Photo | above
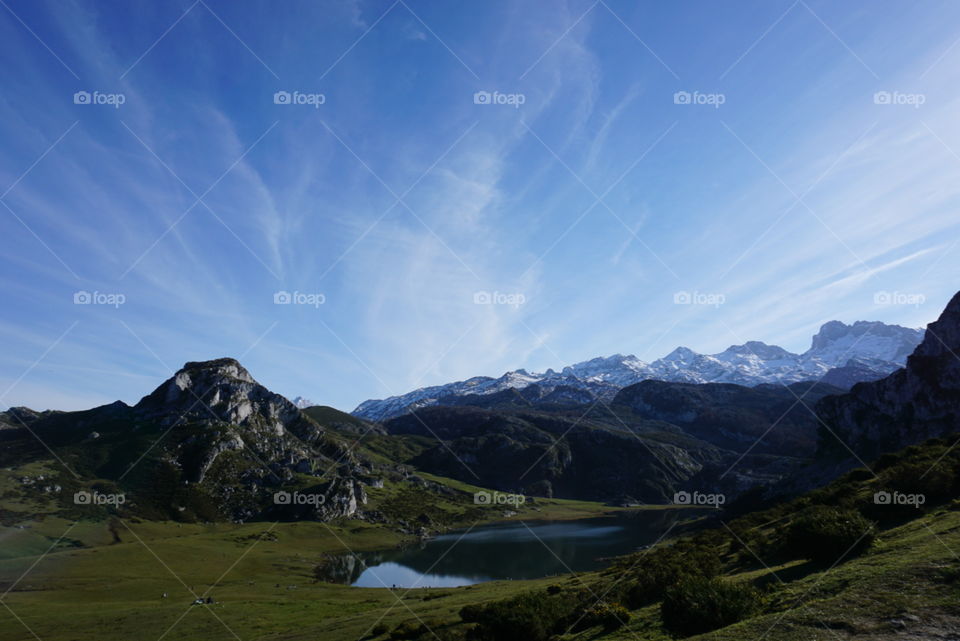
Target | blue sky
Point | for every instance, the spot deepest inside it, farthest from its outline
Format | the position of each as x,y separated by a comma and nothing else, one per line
798,199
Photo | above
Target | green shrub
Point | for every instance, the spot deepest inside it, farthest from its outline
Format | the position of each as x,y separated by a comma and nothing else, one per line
471,613
406,630
609,615
935,483
696,605
885,461
663,567
825,534
379,630
533,616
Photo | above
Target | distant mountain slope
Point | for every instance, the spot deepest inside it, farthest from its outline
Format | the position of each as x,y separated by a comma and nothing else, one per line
764,419
913,404
543,454
849,354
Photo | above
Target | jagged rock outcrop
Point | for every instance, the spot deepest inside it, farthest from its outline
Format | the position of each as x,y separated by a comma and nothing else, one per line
222,390
17,417
915,403
239,414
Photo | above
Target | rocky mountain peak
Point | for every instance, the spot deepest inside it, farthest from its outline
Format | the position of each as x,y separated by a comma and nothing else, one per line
915,403
219,390
302,403
225,367
759,349
681,354
829,332
943,335
836,341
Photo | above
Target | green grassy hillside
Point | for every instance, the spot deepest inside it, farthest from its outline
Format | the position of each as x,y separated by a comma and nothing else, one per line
105,579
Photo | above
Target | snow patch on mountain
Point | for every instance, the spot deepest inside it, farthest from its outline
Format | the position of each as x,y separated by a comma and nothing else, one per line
301,402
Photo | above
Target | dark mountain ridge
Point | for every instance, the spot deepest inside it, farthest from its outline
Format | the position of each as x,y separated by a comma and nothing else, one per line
917,402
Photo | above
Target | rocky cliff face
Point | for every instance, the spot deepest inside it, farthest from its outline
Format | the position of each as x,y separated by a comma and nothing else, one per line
915,403
239,414
216,407
223,391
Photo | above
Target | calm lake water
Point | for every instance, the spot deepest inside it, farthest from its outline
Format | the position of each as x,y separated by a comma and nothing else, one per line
510,550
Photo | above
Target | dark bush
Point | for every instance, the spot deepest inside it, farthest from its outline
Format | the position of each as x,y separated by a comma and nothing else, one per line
696,605
885,461
609,615
471,613
824,534
663,567
417,629
934,482
407,630
858,474
533,616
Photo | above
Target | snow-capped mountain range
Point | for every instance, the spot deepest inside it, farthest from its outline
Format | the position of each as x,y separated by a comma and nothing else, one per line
865,350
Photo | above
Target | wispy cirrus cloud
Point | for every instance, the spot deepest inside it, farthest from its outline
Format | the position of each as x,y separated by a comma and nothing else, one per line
495,198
